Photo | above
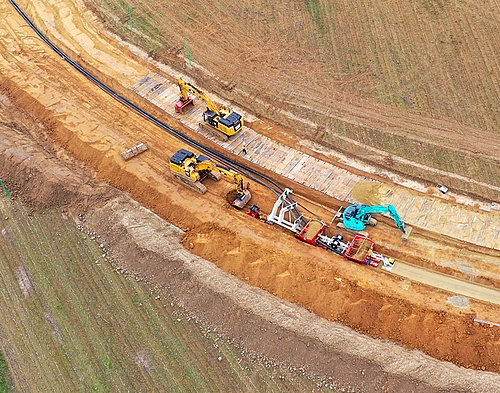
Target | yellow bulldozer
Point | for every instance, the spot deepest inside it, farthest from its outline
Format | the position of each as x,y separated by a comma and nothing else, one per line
192,169
218,120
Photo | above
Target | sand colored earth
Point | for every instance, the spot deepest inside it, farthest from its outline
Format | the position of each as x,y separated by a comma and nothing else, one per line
428,212
68,111
416,83
148,246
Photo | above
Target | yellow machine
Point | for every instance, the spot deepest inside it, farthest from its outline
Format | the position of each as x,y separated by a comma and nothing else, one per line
217,119
192,169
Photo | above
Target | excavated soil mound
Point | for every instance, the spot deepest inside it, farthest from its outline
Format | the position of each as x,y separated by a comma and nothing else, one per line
150,247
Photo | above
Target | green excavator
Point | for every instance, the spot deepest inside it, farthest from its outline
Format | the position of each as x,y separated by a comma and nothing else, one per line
356,217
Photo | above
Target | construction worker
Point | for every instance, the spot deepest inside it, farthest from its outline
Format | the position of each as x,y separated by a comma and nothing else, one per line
244,150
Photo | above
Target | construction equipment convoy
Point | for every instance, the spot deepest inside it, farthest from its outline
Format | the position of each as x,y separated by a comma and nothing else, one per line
286,214
220,121
192,169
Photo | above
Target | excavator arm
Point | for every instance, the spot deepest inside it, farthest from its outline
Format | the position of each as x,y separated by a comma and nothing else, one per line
357,216
234,176
397,219
186,88
243,195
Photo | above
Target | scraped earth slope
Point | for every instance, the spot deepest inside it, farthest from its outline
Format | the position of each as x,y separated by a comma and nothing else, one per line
150,247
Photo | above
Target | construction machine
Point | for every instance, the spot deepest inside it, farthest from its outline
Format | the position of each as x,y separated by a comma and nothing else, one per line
220,121
315,233
192,169
357,216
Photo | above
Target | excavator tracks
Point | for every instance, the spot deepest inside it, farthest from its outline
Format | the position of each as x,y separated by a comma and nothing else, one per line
196,185
214,132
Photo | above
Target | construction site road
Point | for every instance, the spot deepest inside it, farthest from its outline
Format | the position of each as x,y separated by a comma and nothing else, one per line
124,65
460,287
446,283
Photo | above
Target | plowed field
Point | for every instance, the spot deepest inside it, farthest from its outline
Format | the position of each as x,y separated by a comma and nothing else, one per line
418,81
72,323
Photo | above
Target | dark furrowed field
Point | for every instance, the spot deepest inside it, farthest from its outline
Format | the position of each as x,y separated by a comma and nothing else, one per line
72,323
383,74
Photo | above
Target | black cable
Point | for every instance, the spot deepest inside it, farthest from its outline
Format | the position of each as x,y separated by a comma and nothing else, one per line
248,171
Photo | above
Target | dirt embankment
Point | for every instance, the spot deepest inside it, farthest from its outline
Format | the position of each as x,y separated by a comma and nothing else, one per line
71,110
105,143
142,242
279,264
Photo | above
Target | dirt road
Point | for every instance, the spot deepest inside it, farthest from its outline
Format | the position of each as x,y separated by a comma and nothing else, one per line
102,53
447,283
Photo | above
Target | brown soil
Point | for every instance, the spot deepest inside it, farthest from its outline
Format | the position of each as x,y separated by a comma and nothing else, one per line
68,115
273,260
425,248
144,244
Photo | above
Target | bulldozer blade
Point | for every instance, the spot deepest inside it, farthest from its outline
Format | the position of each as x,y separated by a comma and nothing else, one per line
241,200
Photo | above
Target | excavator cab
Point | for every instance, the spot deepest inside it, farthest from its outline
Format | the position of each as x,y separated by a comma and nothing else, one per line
353,220
210,117
178,159
228,125
357,216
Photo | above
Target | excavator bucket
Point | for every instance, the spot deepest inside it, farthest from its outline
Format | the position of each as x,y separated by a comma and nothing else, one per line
407,232
239,201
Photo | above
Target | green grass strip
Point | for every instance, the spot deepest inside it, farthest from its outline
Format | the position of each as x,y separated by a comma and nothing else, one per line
5,189
5,383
